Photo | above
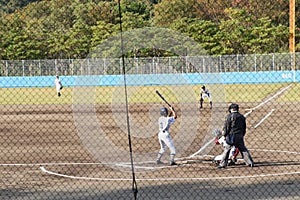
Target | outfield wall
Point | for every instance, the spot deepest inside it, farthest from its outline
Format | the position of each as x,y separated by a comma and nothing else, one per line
155,79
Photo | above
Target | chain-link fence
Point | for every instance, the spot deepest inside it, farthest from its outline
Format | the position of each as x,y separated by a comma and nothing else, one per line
81,111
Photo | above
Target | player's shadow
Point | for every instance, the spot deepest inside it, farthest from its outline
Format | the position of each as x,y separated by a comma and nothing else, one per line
274,163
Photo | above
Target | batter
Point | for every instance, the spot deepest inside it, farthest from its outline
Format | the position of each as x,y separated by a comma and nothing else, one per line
164,137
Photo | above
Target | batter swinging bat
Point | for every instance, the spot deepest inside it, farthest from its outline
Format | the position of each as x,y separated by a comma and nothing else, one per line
157,92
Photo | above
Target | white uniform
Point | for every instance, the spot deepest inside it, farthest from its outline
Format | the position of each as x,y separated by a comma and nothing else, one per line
222,141
164,136
58,85
205,94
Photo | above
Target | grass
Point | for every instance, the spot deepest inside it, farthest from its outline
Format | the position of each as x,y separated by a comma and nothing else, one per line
146,94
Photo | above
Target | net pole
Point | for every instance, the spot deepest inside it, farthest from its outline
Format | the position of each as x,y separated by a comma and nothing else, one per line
134,185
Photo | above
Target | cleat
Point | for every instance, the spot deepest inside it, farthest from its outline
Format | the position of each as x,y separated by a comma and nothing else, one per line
251,165
173,163
220,167
159,162
232,162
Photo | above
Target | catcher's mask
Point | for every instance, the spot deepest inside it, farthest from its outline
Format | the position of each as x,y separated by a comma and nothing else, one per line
234,107
164,111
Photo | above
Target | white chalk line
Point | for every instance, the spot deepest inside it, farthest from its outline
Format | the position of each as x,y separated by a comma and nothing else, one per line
143,167
267,100
176,179
263,119
167,179
250,111
276,151
272,97
128,163
42,168
202,148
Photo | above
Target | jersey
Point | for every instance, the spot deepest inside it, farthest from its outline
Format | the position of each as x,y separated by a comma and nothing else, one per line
58,84
164,123
164,136
205,93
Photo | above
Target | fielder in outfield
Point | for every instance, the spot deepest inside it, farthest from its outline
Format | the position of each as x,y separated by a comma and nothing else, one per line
205,93
58,85
164,137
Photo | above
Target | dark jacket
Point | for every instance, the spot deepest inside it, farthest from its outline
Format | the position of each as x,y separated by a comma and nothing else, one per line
235,123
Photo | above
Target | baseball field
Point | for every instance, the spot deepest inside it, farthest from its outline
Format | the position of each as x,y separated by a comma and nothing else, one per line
77,146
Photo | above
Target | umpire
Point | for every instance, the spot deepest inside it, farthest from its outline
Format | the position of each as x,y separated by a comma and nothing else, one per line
234,131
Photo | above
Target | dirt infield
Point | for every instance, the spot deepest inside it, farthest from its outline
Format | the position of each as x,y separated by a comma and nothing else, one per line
44,155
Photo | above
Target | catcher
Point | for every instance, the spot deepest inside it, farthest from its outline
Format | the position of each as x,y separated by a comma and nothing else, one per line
220,139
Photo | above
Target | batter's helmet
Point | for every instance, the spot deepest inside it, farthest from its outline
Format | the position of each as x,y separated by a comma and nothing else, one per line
164,111
234,107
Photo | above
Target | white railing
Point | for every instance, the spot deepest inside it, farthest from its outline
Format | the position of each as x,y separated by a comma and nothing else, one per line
153,65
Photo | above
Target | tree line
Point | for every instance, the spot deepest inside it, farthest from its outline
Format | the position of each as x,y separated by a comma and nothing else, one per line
48,29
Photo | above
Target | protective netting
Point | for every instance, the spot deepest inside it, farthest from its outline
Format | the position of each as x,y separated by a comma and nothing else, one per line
80,107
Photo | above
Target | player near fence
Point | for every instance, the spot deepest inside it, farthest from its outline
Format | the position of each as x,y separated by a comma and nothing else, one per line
164,137
58,85
234,131
205,93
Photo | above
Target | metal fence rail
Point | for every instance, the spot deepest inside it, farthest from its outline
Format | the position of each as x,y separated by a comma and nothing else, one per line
153,65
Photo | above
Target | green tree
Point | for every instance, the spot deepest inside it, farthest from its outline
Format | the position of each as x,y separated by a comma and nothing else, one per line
13,38
102,31
9,6
133,20
101,11
78,40
142,7
202,31
168,11
240,34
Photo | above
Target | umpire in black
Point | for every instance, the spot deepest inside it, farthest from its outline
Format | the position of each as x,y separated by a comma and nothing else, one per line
234,131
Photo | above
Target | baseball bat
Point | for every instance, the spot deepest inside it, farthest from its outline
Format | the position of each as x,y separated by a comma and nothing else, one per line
161,96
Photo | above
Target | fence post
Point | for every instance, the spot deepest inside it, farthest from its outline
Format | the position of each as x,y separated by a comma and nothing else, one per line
273,61
237,63
255,62
55,65
88,66
23,68
6,68
203,63
220,63
104,66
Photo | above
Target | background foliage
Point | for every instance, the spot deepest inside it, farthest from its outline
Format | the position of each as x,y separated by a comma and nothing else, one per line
33,29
